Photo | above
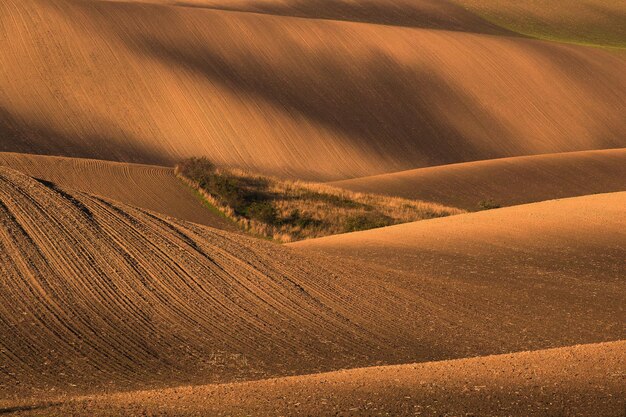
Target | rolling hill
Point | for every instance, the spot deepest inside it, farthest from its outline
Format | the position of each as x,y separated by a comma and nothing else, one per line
122,293
312,98
538,383
506,181
550,240
427,14
100,297
591,22
533,254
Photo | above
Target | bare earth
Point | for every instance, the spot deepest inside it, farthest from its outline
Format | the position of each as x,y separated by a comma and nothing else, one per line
123,294
585,380
147,186
557,237
535,178
101,297
311,98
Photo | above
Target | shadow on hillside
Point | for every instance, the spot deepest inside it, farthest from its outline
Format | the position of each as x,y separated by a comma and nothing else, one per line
612,17
400,113
425,14
408,115
33,137
19,409
578,69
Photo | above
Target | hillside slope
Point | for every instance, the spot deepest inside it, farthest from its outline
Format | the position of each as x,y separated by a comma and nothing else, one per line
147,186
579,380
507,181
101,297
313,98
522,259
593,22
567,240
431,14
97,296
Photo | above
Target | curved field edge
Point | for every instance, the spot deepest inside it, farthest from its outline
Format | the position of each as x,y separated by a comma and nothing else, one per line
96,295
575,380
592,22
507,181
544,237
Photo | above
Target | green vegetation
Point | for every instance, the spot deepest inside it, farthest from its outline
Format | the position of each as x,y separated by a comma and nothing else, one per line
286,210
594,23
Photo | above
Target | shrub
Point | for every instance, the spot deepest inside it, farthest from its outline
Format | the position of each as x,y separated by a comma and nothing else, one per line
227,190
488,205
366,221
332,199
195,168
302,221
262,211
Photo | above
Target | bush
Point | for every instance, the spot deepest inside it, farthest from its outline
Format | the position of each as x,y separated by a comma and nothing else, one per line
196,168
227,190
488,205
302,221
332,199
366,221
262,211
292,210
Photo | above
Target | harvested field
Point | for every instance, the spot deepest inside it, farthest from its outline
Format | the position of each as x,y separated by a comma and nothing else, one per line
590,22
545,240
123,293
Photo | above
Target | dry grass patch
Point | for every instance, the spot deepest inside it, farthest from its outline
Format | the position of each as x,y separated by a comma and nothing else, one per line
286,210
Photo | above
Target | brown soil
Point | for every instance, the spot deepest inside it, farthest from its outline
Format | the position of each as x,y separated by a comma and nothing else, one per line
311,98
544,241
507,181
147,186
101,297
582,380
120,295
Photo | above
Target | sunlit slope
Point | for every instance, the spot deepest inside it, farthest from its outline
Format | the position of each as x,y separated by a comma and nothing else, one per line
97,296
580,238
146,186
506,181
315,98
522,259
578,380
